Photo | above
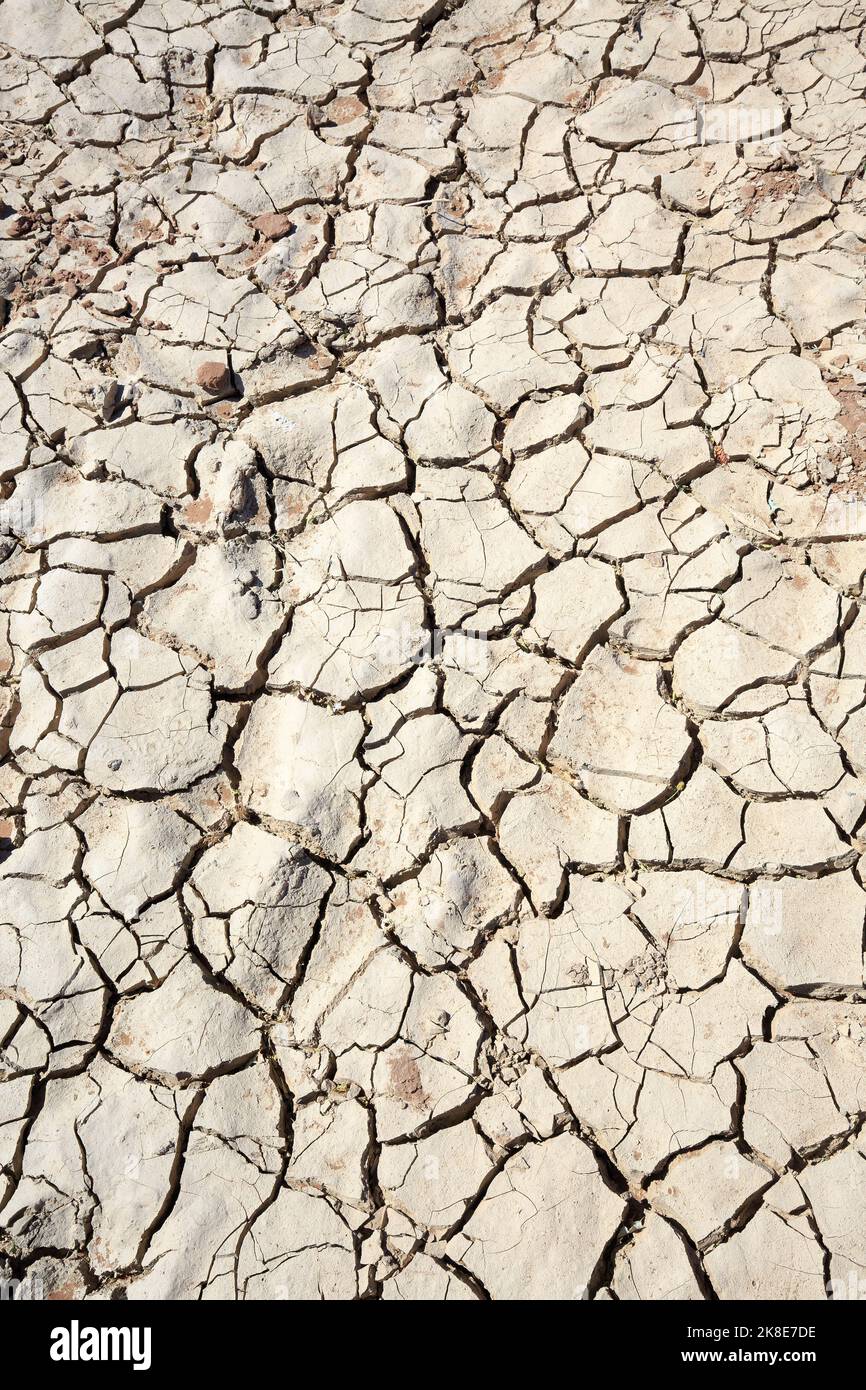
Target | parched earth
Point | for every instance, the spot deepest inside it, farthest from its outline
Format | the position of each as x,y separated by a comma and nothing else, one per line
433,537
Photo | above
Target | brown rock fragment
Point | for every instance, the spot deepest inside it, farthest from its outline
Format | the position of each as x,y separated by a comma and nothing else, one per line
213,377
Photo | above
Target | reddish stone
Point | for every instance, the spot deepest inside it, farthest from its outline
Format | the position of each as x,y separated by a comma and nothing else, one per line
213,377
273,225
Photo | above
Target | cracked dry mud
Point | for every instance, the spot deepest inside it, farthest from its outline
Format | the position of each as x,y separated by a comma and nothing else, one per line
433,541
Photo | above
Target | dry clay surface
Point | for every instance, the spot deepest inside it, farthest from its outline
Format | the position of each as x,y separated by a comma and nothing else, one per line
433,464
